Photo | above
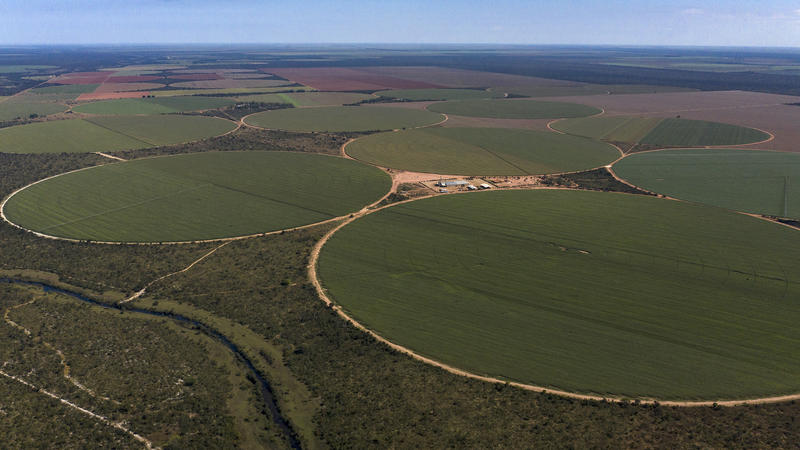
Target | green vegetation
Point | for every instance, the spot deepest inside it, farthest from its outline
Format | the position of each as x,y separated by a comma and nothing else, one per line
343,118
438,94
513,109
309,98
481,151
162,105
652,131
753,181
23,68
542,287
196,196
686,133
587,89
109,133
65,89
21,109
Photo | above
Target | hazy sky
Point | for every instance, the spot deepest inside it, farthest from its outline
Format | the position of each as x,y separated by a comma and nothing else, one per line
641,22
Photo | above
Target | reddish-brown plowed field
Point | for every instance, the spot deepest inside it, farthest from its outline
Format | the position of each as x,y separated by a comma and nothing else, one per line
196,76
457,78
110,95
348,79
228,83
125,87
767,112
82,78
133,79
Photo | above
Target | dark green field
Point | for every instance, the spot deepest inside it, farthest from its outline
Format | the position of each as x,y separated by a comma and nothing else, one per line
438,94
109,133
343,118
513,109
753,181
481,151
660,132
584,291
196,196
682,132
159,105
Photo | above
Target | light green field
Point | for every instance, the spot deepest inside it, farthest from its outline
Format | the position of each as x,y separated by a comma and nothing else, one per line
300,99
616,128
481,151
589,292
587,89
109,133
163,105
438,94
659,131
20,107
197,196
513,109
752,181
682,132
65,89
343,118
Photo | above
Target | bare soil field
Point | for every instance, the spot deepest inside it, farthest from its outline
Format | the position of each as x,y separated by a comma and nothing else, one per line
196,76
110,95
458,78
228,83
133,78
348,79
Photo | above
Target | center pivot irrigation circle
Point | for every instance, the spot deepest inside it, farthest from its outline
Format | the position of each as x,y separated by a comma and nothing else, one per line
198,196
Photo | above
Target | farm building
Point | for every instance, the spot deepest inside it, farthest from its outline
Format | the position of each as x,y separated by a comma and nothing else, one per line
448,183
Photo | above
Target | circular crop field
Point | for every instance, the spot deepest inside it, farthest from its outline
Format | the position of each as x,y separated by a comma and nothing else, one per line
753,181
343,118
656,131
158,105
513,109
481,151
591,292
196,196
109,133
438,94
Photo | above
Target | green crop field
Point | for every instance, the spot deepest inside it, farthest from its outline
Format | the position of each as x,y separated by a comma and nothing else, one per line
20,107
689,302
343,118
587,89
109,133
481,151
744,180
659,131
160,105
65,89
308,98
615,128
682,132
196,196
438,94
513,109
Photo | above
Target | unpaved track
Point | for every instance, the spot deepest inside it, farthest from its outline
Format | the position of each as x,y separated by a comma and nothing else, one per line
118,425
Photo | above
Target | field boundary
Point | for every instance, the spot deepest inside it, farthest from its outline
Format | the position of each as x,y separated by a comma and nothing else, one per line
321,292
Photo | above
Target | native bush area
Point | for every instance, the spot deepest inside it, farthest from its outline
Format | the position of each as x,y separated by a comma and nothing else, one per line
372,396
594,180
163,381
247,138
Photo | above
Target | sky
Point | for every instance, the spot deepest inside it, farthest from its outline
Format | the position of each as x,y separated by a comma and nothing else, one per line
766,23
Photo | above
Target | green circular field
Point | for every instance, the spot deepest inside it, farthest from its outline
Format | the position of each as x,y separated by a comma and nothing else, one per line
158,105
109,133
481,151
343,118
612,294
753,181
656,131
513,109
196,196
438,94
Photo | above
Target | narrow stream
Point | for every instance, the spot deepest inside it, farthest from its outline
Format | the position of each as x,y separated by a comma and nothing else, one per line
266,390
